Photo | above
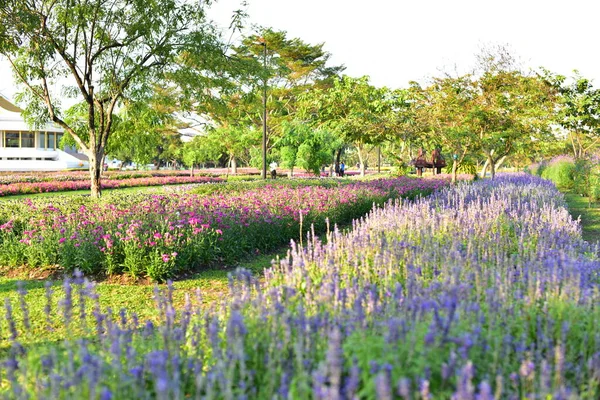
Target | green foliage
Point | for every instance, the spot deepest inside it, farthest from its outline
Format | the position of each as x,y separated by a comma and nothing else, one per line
401,169
579,106
467,166
95,54
587,178
562,173
200,150
234,185
143,132
302,146
537,169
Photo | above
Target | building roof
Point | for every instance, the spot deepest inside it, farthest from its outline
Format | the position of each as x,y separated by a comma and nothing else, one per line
8,106
11,119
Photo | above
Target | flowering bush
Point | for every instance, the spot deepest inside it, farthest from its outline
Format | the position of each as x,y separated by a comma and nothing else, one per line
481,291
160,235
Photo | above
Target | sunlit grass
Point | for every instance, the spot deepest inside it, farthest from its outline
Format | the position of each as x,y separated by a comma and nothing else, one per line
580,207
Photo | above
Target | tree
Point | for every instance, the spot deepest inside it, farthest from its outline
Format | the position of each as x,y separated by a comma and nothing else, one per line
511,112
441,111
358,112
199,150
234,141
305,147
579,111
98,53
291,67
141,129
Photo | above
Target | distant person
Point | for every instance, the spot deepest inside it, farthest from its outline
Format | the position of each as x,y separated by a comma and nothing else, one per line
273,169
342,169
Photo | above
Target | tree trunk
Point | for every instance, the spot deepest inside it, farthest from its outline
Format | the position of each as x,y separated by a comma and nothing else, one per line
338,157
454,171
233,162
360,160
95,161
192,170
492,164
332,165
499,163
485,167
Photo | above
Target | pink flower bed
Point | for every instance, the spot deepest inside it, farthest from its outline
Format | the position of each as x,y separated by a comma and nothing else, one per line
61,186
159,235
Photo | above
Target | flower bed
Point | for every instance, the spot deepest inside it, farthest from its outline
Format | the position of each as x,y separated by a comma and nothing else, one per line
31,177
160,235
478,292
84,184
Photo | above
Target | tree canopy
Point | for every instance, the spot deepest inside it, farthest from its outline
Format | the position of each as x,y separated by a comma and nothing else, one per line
96,53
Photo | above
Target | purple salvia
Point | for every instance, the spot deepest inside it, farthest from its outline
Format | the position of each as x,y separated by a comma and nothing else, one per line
23,305
12,326
48,305
404,389
382,386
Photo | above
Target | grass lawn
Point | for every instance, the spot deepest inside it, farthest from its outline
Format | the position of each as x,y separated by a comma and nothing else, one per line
136,298
590,216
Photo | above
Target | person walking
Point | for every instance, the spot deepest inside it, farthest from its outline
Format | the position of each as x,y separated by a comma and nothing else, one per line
273,168
342,169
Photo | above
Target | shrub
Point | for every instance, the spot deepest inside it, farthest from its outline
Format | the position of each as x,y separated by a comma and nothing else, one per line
561,171
587,178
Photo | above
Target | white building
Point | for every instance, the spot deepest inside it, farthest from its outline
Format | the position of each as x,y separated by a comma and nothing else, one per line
26,149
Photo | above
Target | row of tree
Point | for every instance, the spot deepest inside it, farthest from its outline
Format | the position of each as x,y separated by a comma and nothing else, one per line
118,76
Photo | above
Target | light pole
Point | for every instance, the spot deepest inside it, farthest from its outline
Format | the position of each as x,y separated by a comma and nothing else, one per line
264,101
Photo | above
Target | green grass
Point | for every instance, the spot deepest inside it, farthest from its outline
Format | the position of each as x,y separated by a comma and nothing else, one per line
589,214
134,296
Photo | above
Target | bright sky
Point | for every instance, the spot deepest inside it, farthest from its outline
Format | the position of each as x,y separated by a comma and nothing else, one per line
396,41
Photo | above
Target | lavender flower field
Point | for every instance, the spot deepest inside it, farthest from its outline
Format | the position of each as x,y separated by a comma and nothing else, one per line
163,234
479,291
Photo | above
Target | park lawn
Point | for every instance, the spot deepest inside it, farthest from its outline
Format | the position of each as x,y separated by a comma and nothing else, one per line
136,297
589,213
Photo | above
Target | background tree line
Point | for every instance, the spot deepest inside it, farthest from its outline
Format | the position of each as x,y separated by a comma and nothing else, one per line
123,77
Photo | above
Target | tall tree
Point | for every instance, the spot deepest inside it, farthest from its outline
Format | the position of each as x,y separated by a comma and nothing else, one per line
96,52
442,112
288,67
199,150
578,112
513,108
141,129
358,112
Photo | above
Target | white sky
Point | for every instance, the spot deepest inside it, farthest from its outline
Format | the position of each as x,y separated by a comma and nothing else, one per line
396,41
